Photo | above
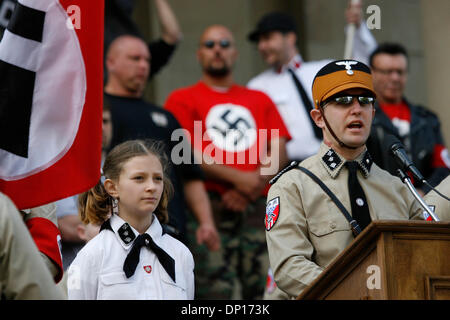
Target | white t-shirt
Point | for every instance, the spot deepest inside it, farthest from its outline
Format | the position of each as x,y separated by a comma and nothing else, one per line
97,271
280,87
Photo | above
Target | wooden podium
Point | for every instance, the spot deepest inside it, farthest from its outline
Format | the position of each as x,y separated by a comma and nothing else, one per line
389,260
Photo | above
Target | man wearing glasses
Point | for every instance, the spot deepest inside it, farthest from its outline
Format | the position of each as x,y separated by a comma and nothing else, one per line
305,228
417,127
233,130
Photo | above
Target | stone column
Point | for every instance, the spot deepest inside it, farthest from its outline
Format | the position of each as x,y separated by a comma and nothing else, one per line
435,16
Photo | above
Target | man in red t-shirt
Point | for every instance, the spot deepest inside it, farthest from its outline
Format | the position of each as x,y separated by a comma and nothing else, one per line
417,127
239,139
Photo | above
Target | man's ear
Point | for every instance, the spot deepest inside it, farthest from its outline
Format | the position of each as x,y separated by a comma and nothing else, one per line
316,115
111,188
109,63
291,38
235,54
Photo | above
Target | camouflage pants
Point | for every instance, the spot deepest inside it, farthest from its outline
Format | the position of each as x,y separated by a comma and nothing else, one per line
239,269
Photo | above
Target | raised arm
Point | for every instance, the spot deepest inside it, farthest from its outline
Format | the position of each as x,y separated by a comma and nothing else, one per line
170,29
363,42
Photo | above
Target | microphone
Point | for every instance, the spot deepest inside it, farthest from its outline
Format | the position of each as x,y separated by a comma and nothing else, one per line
397,150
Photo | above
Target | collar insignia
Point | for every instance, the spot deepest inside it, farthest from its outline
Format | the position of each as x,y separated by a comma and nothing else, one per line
126,233
365,164
331,159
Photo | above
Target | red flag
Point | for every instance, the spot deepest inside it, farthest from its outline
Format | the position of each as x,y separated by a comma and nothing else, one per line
51,92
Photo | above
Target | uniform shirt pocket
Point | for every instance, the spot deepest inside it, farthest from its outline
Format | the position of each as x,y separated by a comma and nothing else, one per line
116,286
330,233
324,227
173,290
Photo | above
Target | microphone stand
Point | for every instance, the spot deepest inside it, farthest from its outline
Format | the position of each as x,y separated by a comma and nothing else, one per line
405,178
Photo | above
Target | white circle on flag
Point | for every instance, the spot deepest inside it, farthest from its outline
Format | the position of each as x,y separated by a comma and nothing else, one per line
59,91
231,127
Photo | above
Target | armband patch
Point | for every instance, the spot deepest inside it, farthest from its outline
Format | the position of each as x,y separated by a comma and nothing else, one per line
46,237
272,213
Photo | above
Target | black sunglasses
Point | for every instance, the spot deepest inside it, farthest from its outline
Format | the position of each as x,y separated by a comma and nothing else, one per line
348,99
224,43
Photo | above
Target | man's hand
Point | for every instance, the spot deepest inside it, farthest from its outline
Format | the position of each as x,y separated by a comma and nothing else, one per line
250,184
198,202
207,234
353,13
234,201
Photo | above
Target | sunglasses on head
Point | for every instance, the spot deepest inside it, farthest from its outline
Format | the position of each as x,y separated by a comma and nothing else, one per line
224,43
348,99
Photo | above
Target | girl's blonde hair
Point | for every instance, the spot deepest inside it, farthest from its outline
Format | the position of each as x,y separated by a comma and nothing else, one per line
95,205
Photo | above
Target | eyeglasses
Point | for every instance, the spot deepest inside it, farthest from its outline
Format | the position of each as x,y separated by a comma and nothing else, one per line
388,72
348,99
224,43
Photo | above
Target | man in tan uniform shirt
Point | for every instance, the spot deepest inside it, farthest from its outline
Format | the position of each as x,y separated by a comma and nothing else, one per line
305,230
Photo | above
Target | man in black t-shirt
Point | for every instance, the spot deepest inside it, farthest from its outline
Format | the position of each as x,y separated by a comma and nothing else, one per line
128,65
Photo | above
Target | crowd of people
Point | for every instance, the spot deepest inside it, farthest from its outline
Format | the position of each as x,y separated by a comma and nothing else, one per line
233,219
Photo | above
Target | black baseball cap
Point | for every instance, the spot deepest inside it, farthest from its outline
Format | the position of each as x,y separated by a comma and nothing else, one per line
274,21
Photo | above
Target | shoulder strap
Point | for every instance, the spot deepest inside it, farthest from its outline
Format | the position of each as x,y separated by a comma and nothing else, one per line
292,165
354,225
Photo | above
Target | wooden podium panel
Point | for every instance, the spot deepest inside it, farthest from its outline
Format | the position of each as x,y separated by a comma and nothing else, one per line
389,260
437,288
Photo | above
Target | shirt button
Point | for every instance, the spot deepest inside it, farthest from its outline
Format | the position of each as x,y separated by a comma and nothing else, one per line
332,225
360,202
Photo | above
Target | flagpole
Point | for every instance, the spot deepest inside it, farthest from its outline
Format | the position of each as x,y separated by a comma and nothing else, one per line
350,35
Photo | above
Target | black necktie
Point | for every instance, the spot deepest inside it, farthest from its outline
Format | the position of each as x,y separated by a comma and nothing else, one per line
358,201
132,259
307,104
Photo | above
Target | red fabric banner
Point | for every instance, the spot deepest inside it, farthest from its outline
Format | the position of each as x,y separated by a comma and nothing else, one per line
75,166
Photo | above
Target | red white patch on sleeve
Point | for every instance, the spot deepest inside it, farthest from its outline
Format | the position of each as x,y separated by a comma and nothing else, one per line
272,212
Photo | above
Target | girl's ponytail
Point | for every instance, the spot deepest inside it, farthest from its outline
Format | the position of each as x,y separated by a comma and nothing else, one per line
94,205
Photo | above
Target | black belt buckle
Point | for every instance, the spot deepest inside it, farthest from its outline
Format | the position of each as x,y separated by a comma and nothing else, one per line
356,229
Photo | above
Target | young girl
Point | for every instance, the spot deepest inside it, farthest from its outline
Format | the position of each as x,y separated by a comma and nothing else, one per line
132,257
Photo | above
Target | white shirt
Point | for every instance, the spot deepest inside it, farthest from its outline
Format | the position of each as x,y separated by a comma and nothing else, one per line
97,271
280,87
